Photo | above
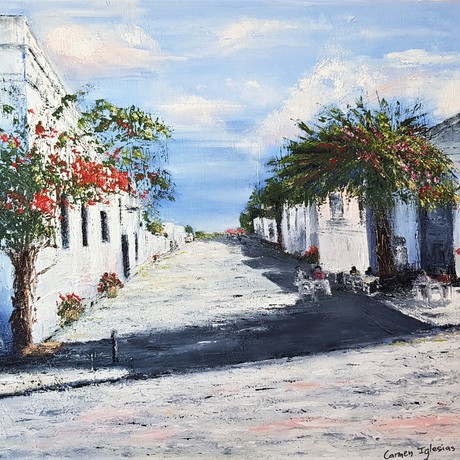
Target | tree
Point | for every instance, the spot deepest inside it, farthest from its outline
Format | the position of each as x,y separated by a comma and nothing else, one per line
42,171
376,155
273,198
134,142
252,210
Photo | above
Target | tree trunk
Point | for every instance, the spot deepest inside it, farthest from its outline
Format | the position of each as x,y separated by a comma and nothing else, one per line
22,316
279,227
384,250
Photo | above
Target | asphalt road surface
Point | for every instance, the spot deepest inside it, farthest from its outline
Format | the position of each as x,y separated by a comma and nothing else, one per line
343,320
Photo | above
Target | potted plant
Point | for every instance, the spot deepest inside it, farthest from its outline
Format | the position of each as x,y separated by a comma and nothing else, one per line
311,255
109,284
69,308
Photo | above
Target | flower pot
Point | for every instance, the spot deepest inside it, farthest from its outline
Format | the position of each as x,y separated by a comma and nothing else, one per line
112,291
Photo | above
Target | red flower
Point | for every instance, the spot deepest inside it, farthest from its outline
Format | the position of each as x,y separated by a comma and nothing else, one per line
31,111
5,138
457,251
39,129
44,204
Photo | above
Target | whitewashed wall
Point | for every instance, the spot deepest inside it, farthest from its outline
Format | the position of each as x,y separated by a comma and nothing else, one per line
343,241
29,81
294,228
405,224
348,240
266,229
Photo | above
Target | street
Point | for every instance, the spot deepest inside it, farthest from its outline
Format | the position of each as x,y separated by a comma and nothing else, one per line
217,356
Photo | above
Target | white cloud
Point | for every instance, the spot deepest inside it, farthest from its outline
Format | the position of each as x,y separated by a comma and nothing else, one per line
256,93
249,33
104,49
342,80
419,56
195,112
446,94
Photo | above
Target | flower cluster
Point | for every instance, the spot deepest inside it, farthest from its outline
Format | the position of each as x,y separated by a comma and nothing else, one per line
238,231
38,175
108,280
311,255
69,308
108,179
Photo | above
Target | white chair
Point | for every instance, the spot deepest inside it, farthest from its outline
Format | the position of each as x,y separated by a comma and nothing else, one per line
307,288
322,286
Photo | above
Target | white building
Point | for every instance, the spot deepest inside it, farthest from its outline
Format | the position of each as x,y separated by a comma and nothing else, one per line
90,241
338,228
345,234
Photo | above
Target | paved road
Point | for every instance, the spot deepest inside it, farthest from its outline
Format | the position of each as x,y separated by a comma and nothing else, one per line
342,321
218,303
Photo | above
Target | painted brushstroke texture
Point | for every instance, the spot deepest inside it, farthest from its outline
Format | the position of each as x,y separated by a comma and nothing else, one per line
232,76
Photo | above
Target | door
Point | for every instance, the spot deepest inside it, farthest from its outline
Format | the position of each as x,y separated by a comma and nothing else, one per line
125,255
437,250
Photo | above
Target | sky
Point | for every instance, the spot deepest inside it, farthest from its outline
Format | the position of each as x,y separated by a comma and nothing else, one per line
232,77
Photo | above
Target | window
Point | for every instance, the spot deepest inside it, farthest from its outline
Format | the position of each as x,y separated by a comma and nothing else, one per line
105,227
336,205
136,246
64,210
84,225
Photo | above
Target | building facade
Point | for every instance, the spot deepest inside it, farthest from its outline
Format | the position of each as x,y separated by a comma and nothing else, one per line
89,241
345,233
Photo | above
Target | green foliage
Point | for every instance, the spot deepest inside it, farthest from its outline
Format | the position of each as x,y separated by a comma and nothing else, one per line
188,229
253,209
42,169
155,227
200,235
246,221
376,155
135,142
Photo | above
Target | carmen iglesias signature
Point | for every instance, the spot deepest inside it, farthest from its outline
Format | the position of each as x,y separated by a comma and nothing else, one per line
426,451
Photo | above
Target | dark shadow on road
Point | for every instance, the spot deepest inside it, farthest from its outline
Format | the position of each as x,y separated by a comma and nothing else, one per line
277,266
303,329
341,321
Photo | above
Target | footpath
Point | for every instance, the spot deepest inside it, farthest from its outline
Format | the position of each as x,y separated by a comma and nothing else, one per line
209,365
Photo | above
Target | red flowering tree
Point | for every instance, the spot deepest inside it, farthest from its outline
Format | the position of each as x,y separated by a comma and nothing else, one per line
134,142
41,170
378,156
235,231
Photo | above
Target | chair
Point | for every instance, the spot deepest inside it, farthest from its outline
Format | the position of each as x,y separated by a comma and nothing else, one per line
307,288
322,286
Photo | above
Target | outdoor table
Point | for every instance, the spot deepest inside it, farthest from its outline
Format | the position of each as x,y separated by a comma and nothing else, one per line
425,290
359,282
353,281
